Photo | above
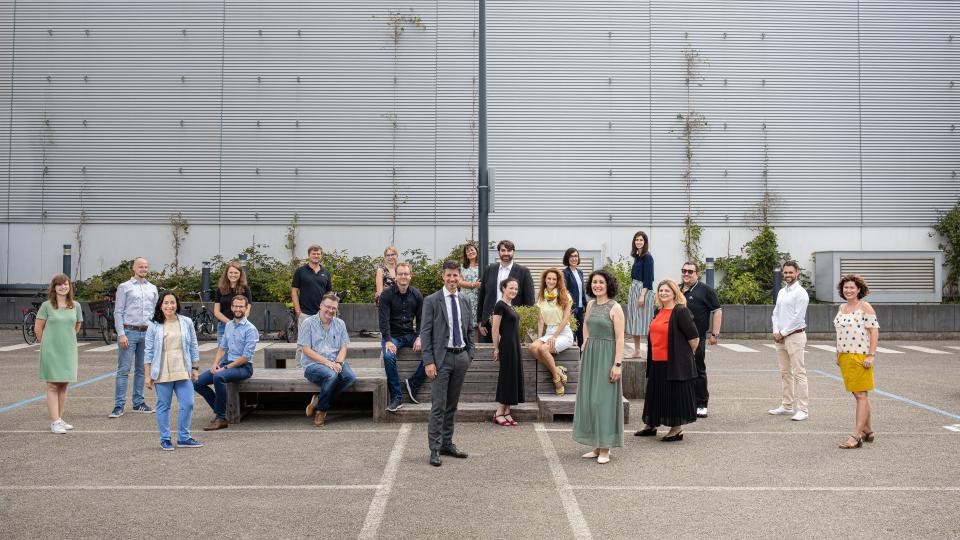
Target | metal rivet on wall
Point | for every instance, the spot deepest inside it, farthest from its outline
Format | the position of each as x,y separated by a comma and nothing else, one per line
296,170
83,170
296,123
183,78
181,123
724,35
49,78
86,32
686,35
724,81
609,80
84,122
763,35
609,35
763,82
609,172
724,125
50,32
299,33
259,79
726,173
258,170
258,123
183,32
260,32
180,170
86,78
298,79
609,125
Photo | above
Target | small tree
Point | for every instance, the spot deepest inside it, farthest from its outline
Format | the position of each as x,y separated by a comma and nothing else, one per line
179,229
948,228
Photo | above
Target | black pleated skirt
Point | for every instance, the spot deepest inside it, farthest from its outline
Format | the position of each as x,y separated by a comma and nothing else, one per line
668,403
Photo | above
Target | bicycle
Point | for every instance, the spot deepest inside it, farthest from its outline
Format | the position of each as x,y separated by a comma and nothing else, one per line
203,322
103,313
30,319
289,332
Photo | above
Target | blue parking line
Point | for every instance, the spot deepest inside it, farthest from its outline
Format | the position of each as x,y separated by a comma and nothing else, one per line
75,385
908,401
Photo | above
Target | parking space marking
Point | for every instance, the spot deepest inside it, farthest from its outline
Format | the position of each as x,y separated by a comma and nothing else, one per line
234,430
953,347
828,348
17,347
768,488
735,347
577,522
305,487
840,432
379,503
954,427
75,385
262,345
894,396
885,350
105,348
207,347
927,350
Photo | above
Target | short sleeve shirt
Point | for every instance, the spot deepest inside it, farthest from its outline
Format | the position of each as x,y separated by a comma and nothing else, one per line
702,301
226,299
312,286
326,341
852,335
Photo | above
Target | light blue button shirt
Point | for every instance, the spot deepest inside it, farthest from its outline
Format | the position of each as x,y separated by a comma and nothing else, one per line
239,339
135,303
325,341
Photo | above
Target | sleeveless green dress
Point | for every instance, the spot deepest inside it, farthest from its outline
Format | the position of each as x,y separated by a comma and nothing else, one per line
58,350
598,416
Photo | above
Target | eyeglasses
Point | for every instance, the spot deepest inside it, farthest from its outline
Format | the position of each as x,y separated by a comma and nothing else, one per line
685,271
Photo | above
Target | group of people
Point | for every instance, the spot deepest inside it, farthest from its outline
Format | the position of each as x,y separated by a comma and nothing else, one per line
676,320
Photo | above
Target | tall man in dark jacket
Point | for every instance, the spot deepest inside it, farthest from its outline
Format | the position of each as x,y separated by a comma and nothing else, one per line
490,287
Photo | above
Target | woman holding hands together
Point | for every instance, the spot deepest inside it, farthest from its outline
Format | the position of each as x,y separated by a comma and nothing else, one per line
857,335
505,326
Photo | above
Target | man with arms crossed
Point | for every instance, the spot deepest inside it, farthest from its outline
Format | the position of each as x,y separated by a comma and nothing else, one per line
789,334
136,299
447,334
702,301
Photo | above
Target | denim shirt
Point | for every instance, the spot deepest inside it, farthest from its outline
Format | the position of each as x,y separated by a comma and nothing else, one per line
153,346
324,341
135,303
239,339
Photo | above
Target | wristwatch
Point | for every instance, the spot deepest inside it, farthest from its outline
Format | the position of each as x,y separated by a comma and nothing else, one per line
617,364
716,335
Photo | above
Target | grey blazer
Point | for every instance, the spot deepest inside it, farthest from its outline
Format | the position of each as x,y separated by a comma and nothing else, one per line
435,330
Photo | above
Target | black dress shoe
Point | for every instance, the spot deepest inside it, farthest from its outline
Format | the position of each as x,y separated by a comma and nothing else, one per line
452,451
652,432
435,458
673,438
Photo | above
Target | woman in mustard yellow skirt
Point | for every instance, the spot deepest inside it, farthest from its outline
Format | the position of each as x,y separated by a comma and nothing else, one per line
857,336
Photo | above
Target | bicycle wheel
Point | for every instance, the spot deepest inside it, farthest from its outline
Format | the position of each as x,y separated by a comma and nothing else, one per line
291,333
107,332
209,326
28,321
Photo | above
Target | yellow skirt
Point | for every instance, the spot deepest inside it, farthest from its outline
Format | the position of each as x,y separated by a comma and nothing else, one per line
856,378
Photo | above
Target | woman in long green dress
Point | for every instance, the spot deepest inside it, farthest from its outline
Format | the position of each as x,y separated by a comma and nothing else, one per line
58,322
598,416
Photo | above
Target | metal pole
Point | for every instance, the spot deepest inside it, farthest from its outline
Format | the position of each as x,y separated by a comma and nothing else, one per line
483,184
243,263
66,259
204,281
777,282
710,272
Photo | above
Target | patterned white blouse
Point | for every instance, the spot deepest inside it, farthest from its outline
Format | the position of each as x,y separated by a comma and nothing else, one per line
852,335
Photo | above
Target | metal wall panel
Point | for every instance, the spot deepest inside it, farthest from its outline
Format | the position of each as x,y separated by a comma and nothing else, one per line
6,65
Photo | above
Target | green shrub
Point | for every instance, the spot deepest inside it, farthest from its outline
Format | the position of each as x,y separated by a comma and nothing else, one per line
748,278
948,227
621,270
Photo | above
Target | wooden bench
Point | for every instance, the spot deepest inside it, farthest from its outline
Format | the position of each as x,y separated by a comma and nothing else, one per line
291,380
282,355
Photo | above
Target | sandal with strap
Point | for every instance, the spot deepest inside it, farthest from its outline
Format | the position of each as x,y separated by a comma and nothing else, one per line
510,419
868,436
563,374
857,443
558,384
503,422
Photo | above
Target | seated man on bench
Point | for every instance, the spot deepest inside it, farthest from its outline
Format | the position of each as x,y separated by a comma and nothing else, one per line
323,338
398,307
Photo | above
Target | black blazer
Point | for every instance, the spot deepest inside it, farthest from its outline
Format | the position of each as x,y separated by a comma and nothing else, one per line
572,286
487,298
680,363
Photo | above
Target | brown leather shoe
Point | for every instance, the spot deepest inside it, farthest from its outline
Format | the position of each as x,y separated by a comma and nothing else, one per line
319,418
216,424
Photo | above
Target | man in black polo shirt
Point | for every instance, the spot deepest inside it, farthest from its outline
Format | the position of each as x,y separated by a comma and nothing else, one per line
310,282
702,301
399,306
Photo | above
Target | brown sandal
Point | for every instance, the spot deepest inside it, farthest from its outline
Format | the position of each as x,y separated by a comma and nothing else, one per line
858,442
868,436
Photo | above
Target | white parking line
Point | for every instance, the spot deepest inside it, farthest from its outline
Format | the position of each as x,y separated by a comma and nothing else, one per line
736,347
234,430
379,503
83,344
569,500
772,346
262,345
953,347
885,350
105,348
767,488
17,347
923,349
207,346
828,348
305,487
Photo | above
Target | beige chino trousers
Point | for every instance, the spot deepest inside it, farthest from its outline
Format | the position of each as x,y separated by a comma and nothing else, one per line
793,372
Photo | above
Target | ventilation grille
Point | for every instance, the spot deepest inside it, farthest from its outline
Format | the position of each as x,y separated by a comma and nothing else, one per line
893,275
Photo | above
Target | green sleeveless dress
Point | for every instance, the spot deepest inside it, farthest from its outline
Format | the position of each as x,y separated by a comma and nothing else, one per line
598,416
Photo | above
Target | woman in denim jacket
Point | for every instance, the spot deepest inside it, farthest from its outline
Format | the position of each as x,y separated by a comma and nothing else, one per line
171,357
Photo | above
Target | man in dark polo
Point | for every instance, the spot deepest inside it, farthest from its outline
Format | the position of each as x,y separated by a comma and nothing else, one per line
310,282
702,301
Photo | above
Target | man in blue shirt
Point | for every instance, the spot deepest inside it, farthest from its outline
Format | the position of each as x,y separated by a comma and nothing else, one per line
233,362
136,300
323,339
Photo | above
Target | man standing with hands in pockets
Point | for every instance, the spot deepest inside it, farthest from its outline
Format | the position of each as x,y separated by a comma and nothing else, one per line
447,337
789,334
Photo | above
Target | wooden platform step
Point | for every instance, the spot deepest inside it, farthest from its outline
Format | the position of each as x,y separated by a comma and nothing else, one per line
551,406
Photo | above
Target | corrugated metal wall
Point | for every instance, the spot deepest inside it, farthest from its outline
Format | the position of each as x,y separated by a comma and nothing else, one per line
239,112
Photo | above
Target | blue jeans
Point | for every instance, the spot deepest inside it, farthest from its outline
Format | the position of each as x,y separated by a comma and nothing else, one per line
217,398
165,391
390,366
330,382
125,357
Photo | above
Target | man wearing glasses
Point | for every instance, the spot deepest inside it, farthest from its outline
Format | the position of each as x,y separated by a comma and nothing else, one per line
702,301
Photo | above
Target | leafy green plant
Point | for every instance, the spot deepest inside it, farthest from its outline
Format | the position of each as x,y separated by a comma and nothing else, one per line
948,228
748,278
528,316
621,270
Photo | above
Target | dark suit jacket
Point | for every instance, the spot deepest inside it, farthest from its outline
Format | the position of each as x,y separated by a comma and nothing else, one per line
572,286
681,365
435,330
487,298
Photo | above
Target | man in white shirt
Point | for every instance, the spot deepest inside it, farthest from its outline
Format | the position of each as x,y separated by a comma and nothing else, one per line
490,293
789,334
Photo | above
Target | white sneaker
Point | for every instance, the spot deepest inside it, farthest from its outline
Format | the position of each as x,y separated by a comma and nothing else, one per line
800,416
57,428
701,412
782,411
65,425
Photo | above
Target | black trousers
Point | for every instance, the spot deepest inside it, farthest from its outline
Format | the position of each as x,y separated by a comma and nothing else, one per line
485,338
578,315
700,383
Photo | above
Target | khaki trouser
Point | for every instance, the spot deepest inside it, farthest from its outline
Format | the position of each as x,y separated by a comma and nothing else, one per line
793,372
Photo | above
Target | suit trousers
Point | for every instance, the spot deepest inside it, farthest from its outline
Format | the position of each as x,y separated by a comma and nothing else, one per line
793,372
445,396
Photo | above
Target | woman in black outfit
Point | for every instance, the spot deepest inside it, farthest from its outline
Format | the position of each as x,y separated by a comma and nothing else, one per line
505,325
671,368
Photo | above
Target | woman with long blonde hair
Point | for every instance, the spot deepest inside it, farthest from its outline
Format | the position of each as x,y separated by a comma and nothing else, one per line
554,310
387,270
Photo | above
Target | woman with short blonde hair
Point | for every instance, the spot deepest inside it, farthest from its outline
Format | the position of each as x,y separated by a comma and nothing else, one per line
387,270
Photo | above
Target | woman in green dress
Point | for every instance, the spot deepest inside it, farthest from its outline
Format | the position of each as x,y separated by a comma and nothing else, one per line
598,416
58,322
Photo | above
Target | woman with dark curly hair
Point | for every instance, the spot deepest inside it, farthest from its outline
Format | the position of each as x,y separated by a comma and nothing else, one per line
598,414
857,335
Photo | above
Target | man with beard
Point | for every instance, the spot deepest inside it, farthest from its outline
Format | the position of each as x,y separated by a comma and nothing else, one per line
789,334
490,292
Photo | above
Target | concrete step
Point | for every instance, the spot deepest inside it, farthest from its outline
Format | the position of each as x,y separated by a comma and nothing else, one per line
551,406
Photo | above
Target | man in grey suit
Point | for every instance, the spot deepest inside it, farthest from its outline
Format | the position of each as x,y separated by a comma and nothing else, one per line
447,337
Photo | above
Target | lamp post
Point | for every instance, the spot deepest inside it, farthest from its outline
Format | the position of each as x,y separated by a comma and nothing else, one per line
483,180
